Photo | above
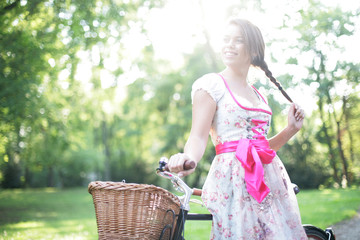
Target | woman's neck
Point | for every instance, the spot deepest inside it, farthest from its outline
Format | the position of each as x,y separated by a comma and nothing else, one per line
238,84
238,76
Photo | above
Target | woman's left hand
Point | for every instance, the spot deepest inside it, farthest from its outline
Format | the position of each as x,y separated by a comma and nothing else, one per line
296,117
295,121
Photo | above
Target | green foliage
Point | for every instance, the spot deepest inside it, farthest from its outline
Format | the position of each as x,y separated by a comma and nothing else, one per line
304,165
320,30
48,121
61,125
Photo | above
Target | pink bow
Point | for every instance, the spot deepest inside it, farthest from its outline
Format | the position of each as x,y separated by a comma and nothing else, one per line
252,153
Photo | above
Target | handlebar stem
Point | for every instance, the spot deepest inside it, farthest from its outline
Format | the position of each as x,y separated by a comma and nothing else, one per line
180,186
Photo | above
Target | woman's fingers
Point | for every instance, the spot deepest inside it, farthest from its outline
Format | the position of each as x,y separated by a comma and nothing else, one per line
299,113
296,116
176,164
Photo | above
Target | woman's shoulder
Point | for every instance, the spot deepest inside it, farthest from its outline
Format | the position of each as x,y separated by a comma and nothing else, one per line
210,77
209,81
212,83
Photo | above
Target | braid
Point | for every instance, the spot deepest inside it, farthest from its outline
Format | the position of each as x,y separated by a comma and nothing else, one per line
255,46
268,73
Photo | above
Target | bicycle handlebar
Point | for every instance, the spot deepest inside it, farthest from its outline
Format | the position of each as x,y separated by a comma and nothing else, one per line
188,165
163,166
178,183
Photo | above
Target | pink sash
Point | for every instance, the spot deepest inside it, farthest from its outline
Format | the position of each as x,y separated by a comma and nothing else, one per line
252,153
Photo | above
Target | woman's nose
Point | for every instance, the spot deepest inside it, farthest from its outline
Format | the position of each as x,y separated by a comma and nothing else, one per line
230,43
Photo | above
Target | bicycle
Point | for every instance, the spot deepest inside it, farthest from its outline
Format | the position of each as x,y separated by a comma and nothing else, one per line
312,232
147,212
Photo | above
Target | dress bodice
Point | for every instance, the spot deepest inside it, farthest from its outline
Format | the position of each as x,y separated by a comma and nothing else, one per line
232,122
235,118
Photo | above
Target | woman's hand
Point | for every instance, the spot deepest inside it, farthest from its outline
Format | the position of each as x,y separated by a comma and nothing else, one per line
296,117
176,163
295,121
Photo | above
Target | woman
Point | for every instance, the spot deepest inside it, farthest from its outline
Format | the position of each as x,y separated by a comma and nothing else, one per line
247,190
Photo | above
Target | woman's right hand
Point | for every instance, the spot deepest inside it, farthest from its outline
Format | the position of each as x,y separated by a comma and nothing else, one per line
176,164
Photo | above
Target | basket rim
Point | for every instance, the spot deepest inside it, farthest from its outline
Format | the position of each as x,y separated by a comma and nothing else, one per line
112,214
122,186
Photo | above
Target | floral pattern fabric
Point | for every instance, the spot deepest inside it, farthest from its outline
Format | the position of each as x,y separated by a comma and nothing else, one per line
236,214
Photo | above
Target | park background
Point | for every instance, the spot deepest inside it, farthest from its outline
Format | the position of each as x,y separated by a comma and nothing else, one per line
100,90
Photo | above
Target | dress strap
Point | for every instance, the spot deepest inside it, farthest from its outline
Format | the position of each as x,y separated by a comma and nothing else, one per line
259,94
237,102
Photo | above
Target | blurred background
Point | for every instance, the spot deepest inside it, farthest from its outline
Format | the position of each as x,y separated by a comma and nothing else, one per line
100,89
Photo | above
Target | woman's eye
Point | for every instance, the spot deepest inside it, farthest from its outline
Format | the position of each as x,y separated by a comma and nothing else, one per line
226,40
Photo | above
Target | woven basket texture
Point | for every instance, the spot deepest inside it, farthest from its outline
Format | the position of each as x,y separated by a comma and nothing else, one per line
132,211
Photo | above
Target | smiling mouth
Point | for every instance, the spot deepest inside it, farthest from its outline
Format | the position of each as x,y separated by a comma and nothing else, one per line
230,54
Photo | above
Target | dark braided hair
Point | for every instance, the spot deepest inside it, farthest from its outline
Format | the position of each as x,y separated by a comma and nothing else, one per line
255,48
268,73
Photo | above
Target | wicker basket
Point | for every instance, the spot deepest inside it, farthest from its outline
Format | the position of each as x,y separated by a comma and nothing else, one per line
133,211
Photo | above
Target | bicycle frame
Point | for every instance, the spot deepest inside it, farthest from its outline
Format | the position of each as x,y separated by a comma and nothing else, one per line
311,231
181,186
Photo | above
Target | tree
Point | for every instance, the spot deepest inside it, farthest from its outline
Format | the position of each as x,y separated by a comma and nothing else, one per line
320,30
42,95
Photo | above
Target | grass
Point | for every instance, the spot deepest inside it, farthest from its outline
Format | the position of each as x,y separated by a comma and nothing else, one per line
323,208
47,214
69,214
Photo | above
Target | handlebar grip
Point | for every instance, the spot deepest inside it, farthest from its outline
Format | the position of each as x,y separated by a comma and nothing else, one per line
187,165
197,192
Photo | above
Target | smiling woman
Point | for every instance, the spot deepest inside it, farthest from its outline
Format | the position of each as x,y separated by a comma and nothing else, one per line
246,169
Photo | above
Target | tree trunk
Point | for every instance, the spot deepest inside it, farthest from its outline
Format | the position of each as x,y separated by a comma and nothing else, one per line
325,91
341,151
351,149
11,172
106,150
345,175
328,141
351,142
50,177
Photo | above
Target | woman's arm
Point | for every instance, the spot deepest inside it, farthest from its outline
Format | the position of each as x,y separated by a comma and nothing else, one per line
295,121
203,112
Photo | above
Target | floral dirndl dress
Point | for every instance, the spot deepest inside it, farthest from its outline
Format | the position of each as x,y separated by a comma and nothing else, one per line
247,190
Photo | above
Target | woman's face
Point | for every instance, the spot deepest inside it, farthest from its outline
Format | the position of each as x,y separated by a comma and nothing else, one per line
233,51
